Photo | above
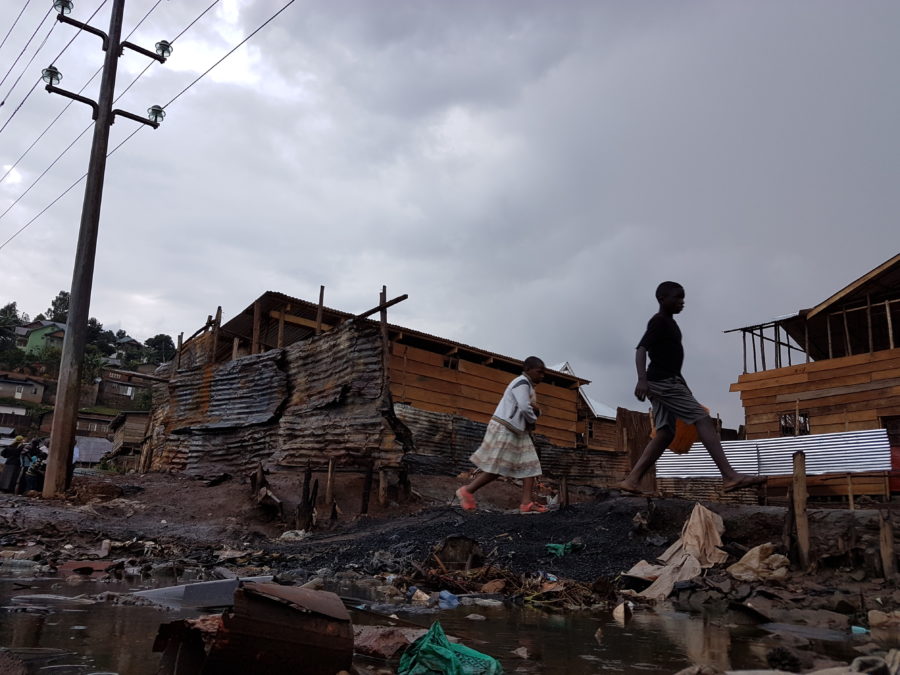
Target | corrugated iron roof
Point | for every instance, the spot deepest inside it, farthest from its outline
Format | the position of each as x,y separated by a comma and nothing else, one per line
241,325
825,453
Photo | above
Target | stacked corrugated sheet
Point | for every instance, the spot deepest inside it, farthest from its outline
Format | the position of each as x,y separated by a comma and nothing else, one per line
850,451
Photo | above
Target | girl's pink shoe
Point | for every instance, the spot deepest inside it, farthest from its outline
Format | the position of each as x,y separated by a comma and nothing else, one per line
466,499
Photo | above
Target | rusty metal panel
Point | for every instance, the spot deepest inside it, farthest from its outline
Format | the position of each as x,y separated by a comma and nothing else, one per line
320,602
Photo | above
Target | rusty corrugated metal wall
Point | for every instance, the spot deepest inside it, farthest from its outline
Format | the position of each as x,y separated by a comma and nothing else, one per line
444,442
316,399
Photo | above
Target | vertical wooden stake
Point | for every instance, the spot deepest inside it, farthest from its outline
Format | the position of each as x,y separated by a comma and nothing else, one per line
382,487
828,326
367,491
235,346
564,492
869,322
178,350
214,341
849,351
280,341
850,490
798,487
886,541
320,309
329,483
806,340
257,321
797,418
890,325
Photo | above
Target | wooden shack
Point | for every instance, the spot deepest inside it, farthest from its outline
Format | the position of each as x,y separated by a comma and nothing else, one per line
442,395
830,368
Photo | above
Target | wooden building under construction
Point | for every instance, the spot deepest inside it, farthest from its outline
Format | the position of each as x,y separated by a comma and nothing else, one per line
834,367
288,382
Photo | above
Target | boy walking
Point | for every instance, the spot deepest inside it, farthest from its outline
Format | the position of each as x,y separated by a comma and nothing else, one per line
668,392
507,448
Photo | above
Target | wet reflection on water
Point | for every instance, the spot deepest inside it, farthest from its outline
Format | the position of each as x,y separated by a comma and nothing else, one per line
119,638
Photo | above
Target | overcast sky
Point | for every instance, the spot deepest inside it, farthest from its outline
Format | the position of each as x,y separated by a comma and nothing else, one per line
526,171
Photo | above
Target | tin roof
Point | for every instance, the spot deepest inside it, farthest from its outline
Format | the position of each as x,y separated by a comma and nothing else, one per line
272,302
825,453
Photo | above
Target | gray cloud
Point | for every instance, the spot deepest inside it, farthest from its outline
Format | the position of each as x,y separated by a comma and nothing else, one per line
526,171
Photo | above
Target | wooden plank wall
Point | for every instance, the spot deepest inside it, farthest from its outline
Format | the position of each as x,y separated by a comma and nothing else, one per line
850,393
472,390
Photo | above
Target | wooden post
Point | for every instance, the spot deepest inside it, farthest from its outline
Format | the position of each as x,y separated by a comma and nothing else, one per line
280,341
849,351
886,541
806,339
850,490
828,326
257,322
235,346
744,338
797,418
386,400
762,346
564,492
214,341
890,326
178,350
798,487
329,483
753,344
777,346
367,491
869,322
320,309
382,487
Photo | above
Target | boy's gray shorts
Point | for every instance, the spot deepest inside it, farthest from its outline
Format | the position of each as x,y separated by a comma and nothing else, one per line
672,400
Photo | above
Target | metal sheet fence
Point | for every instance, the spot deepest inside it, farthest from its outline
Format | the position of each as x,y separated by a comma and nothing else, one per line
844,452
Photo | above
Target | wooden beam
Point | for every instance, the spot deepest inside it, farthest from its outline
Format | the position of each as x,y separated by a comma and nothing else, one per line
386,400
178,350
384,305
235,344
753,343
279,341
838,391
849,351
828,326
214,342
299,320
886,542
382,488
850,500
798,496
869,322
319,309
890,326
806,340
329,483
257,324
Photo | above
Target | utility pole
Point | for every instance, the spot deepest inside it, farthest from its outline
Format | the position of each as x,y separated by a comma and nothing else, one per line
62,435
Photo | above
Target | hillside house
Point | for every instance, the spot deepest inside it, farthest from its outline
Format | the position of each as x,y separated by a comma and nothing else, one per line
37,335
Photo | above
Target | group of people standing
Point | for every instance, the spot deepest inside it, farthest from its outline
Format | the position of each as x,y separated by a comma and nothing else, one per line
508,450
24,466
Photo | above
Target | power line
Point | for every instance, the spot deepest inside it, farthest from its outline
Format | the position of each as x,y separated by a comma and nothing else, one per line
41,23
28,65
9,32
85,86
229,53
137,130
215,2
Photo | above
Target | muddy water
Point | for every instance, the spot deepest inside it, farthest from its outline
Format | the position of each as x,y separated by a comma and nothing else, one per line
106,638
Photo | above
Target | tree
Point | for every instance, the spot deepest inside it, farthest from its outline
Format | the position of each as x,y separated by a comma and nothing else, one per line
160,348
92,364
101,339
59,308
121,333
10,319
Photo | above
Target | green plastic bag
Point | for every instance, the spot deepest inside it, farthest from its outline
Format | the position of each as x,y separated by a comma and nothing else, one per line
434,654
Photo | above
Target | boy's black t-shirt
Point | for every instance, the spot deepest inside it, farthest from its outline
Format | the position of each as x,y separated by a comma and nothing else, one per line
662,340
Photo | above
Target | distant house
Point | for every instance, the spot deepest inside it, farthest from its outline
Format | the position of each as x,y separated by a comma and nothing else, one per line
128,430
120,389
94,424
128,348
33,337
21,388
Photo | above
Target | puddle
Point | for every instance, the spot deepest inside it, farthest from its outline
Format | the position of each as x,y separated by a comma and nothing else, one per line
107,638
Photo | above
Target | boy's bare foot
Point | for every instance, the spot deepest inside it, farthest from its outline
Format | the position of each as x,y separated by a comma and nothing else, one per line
632,488
742,481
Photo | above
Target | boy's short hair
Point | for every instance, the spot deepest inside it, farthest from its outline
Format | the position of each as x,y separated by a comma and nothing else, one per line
533,362
667,287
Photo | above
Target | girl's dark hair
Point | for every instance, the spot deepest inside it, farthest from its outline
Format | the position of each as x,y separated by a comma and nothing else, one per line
533,362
